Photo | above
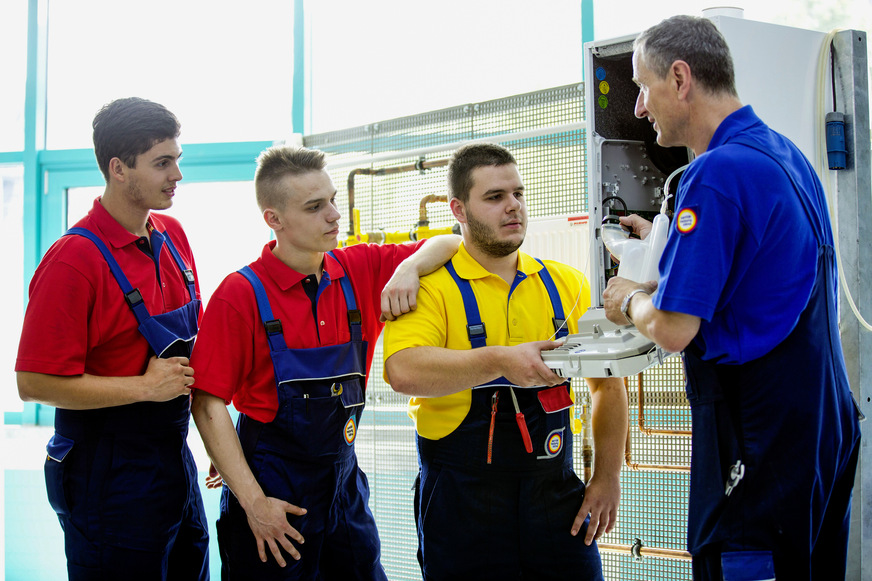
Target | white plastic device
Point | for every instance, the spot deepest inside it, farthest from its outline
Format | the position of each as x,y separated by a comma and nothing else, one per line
603,349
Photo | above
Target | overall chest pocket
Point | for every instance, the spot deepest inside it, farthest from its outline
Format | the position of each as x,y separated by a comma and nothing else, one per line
322,419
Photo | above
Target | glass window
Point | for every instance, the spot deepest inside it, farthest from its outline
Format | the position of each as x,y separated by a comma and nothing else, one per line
614,19
11,235
223,68
392,58
371,61
13,74
227,237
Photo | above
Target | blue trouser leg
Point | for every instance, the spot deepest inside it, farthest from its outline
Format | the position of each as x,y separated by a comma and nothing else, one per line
502,525
352,532
189,556
340,533
549,506
128,522
829,557
186,558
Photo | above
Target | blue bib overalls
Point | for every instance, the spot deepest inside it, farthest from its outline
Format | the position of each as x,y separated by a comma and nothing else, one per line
485,507
122,480
770,494
306,456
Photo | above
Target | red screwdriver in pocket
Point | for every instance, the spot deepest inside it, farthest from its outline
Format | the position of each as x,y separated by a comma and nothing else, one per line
522,423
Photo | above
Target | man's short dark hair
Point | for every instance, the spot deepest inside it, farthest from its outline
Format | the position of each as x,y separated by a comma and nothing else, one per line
277,162
696,41
129,127
468,158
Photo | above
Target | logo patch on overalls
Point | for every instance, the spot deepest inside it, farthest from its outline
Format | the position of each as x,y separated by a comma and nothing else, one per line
686,221
553,444
350,431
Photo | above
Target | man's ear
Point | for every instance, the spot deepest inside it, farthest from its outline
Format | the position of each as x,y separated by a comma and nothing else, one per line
458,210
681,77
272,219
117,170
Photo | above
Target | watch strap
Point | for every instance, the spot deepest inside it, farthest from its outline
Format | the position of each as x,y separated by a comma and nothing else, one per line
625,304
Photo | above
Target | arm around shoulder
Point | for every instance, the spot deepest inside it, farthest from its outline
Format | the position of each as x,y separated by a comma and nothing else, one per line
400,293
433,254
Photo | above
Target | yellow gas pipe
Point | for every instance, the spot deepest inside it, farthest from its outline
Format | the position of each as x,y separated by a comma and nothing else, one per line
421,232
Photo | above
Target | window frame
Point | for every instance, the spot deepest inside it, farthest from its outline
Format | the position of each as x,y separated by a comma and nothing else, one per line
49,174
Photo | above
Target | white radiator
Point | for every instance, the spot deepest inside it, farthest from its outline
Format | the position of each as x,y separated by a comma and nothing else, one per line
563,238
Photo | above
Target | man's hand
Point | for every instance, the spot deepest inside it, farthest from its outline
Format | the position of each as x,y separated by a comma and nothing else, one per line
400,293
269,522
167,379
614,295
213,480
601,499
637,225
525,368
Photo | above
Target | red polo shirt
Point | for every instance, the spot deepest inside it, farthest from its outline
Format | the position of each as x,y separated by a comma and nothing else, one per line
231,357
77,320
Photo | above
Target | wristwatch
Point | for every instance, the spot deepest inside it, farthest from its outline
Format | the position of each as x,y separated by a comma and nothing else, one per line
625,304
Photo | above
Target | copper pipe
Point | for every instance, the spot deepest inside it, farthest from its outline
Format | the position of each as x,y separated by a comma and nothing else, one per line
627,453
651,431
422,212
636,466
639,467
642,551
419,165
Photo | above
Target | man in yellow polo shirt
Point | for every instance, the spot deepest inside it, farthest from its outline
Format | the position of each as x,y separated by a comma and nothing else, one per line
496,497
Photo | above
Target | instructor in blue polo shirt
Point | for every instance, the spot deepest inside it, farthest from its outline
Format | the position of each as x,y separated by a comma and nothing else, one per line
748,291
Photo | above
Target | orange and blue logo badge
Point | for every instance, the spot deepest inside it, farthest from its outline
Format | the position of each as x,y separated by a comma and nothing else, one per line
350,431
553,444
686,220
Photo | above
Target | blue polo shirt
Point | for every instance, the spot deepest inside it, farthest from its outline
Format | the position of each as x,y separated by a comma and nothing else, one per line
741,252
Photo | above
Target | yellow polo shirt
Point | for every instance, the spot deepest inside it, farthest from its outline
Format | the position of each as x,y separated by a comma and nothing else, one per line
510,316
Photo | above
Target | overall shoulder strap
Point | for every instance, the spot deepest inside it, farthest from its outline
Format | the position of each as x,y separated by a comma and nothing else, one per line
131,295
354,318
186,272
559,319
474,326
272,325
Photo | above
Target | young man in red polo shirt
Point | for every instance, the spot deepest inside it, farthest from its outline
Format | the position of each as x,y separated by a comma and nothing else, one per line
289,340
111,318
